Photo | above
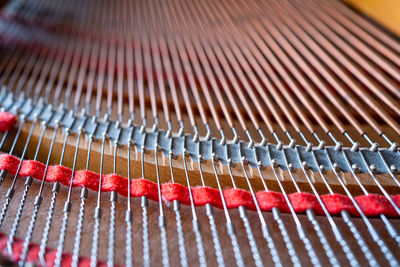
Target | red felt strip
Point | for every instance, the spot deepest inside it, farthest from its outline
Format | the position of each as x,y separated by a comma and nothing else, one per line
7,121
115,182
372,205
304,201
59,173
203,195
9,163
87,179
174,191
336,203
32,168
238,197
270,199
144,188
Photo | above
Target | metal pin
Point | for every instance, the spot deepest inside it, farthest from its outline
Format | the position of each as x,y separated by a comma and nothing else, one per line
98,210
176,203
338,235
68,204
55,190
243,215
144,203
113,200
37,203
229,224
195,223
129,214
210,215
11,190
374,234
345,215
28,183
161,217
303,236
84,192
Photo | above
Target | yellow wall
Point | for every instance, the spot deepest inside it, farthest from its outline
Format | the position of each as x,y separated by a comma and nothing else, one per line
387,12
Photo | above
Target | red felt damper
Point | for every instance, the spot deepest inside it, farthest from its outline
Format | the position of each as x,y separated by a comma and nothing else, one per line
88,179
374,205
304,201
115,182
9,163
144,188
270,199
174,191
203,195
32,168
238,197
7,121
59,173
335,203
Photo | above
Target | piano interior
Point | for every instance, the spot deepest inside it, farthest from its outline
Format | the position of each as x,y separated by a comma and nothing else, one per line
198,133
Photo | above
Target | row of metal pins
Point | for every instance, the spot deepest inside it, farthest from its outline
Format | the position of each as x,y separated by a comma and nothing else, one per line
195,222
56,186
27,185
98,210
16,222
37,202
250,237
176,207
84,193
38,198
28,182
113,200
243,215
294,257
209,213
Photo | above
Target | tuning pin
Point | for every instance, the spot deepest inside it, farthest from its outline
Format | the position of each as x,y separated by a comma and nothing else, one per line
336,167
260,165
394,147
279,145
274,163
394,169
292,143
305,165
373,168
339,146
374,147
355,147
321,145
355,168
